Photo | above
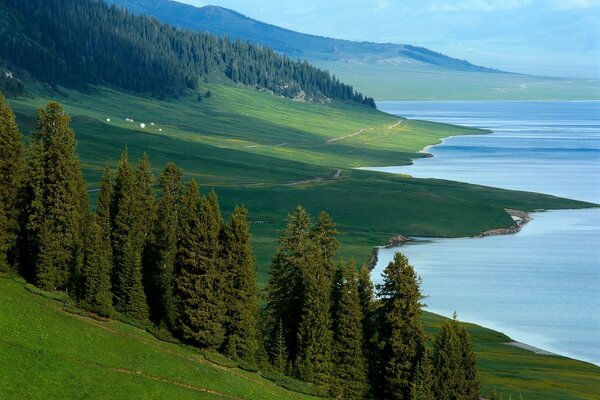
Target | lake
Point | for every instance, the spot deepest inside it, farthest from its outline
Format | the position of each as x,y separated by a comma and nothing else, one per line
542,285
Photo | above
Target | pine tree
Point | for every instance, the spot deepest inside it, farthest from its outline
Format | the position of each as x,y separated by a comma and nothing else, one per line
401,328
12,175
315,338
350,372
163,248
96,292
454,363
285,297
472,386
199,304
128,239
323,236
422,387
279,353
241,293
58,200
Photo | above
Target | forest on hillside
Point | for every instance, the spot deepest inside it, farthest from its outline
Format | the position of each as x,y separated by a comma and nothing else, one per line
156,251
76,43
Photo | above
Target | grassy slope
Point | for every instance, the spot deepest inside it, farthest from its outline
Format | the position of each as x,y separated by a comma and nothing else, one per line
56,355
68,356
266,152
388,81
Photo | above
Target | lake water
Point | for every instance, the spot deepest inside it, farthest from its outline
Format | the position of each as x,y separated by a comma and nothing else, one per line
542,285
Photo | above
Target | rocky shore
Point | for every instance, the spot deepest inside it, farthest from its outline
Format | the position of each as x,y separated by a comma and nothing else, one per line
519,217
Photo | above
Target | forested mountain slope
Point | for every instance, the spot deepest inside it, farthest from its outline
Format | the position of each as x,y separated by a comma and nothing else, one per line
74,43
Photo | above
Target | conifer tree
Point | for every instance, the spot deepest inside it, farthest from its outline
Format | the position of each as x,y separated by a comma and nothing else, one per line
241,293
279,353
367,304
315,338
146,199
12,175
285,297
472,387
422,387
401,328
323,236
103,210
454,363
58,201
350,372
199,305
163,248
128,240
96,292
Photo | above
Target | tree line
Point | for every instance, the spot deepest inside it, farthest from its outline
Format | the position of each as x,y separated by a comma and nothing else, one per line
157,249
75,43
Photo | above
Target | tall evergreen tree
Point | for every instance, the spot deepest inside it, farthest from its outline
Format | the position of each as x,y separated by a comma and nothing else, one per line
324,235
350,372
454,363
12,176
58,200
163,248
401,328
285,296
199,304
241,293
315,338
366,295
422,387
128,239
96,292
279,351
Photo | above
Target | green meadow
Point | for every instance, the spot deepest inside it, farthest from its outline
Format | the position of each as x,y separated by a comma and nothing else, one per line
66,355
272,154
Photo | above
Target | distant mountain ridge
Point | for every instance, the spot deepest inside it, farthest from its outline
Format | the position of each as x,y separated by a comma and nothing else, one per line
225,22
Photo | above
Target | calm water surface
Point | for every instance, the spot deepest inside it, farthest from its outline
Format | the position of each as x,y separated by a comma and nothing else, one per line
542,285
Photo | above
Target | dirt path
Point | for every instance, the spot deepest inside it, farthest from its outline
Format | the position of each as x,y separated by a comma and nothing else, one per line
346,136
396,124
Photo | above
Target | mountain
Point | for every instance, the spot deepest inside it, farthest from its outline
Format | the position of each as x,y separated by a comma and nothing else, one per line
386,71
77,43
225,22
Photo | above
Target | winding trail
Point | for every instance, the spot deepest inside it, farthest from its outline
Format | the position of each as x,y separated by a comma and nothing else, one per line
346,136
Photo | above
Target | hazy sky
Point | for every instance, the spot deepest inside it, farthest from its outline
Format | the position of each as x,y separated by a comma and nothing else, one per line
544,37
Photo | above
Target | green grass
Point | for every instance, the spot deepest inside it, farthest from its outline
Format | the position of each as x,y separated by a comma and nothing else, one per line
389,81
272,154
47,353
513,371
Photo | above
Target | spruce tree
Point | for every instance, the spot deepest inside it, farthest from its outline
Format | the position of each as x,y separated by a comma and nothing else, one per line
163,248
58,201
199,305
240,291
279,352
401,328
323,236
315,338
12,175
128,239
285,297
422,387
96,294
350,372
454,363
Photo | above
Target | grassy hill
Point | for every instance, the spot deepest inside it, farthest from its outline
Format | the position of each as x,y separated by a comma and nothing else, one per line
273,154
384,71
54,353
